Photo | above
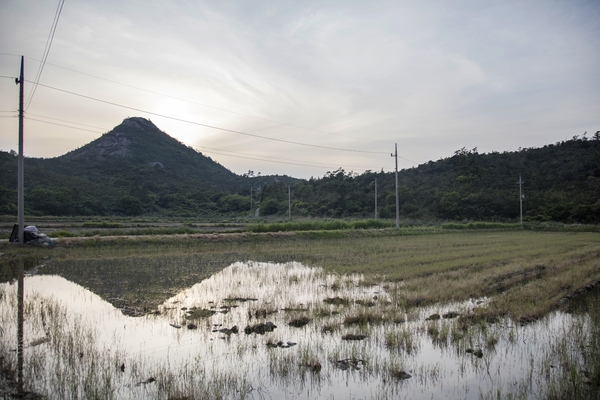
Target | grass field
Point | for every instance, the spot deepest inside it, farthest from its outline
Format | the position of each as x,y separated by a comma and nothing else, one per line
523,274
526,272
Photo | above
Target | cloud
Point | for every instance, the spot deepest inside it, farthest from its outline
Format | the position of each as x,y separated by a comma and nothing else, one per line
433,77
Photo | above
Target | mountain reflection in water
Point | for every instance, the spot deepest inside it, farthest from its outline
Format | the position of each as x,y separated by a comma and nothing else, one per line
196,341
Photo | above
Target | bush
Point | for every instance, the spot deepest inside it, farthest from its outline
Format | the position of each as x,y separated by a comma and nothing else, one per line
234,203
480,225
101,225
320,225
130,205
269,207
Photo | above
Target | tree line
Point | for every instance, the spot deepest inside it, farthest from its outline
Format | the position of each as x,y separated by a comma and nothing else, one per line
561,183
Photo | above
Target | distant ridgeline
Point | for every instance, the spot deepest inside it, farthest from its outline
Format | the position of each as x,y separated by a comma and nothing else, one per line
136,169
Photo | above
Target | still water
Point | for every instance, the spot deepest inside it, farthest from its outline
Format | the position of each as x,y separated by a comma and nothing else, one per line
319,336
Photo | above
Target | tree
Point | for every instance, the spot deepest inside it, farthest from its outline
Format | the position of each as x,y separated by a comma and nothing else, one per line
130,205
269,207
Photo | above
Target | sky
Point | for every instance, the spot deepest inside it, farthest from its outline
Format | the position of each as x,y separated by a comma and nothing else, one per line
302,88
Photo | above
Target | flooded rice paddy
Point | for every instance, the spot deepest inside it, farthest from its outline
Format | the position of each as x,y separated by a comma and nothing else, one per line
285,331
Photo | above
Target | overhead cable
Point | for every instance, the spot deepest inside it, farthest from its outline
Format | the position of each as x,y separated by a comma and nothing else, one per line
221,109
268,158
57,124
212,126
271,161
70,122
210,149
213,107
46,51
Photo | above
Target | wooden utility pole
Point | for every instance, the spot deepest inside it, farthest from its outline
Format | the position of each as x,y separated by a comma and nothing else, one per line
521,199
20,197
375,198
397,198
289,202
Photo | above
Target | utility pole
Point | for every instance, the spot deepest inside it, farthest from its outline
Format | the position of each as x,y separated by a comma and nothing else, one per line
397,200
20,298
375,198
20,196
289,202
250,199
521,198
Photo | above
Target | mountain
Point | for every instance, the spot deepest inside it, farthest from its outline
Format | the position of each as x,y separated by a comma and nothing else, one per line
136,169
133,169
561,183
139,146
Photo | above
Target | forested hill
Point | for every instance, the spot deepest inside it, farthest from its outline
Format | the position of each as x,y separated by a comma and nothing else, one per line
561,183
136,169
139,147
133,169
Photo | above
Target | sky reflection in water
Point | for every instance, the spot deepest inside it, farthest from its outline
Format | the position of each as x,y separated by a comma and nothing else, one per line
438,368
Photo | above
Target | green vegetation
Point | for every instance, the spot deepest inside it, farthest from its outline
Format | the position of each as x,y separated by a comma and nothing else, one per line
101,225
531,270
133,170
138,170
124,232
317,225
480,225
562,183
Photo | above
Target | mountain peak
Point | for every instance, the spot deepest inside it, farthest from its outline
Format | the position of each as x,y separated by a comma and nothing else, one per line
136,144
139,123
118,142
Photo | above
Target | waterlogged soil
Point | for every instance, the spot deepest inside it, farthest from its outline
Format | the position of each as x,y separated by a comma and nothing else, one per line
135,285
267,330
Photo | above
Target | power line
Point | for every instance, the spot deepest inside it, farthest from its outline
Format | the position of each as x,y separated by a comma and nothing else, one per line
272,161
46,50
215,108
66,126
222,109
212,126
69,122
406,159
266,158
211,149
406,148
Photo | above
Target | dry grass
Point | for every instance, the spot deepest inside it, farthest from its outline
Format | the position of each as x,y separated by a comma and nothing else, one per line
365,317
525,273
